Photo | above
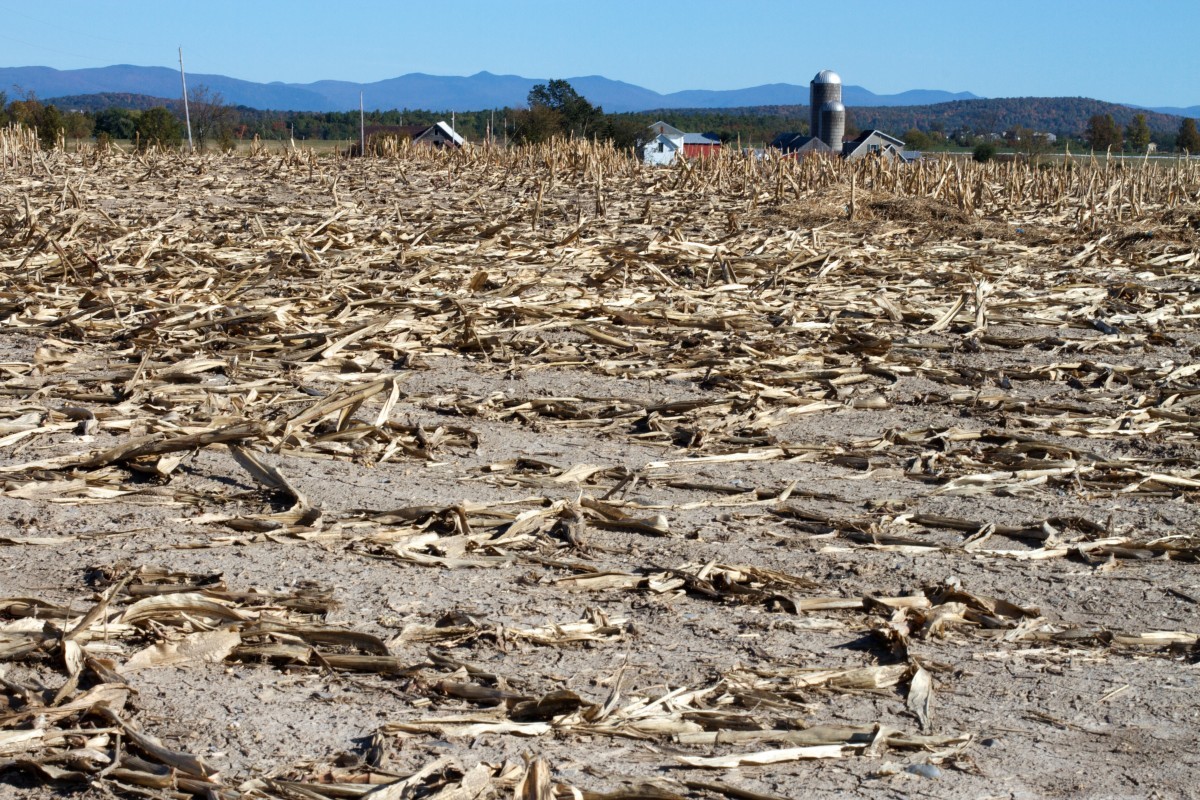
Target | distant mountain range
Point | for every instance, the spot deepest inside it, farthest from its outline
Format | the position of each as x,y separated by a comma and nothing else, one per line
433,92
1175,111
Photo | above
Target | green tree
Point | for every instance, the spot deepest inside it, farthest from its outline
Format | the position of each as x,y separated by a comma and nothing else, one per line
157,126
579,117
1103,132
49,124
1189,138
984,152
116,123
1137,133
622,131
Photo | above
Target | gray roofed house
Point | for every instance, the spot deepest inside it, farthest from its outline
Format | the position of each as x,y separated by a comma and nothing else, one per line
665,129
799,144
662,143
873,142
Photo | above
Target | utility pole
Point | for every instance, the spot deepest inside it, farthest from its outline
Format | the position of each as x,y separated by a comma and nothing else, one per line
187,115
362,127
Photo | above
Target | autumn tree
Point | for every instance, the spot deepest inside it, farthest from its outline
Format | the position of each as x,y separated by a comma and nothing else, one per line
77,125
917,140
1189,138
1034,144
212,118
1103,132
1137,133
537,124
47,120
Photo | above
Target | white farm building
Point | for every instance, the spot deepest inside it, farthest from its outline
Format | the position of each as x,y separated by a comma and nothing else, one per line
664,143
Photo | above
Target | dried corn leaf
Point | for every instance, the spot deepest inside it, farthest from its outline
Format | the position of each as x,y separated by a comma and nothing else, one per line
766,757
207,647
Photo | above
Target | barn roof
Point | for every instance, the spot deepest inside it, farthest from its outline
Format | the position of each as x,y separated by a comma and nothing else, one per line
787,140
799,143
450,132
862,137
862,144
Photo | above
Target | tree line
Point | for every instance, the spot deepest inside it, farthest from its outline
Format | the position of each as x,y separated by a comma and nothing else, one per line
1103,133
156,125
556,109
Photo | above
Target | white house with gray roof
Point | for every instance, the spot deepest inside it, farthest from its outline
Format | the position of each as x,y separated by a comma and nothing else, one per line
873,143
661,144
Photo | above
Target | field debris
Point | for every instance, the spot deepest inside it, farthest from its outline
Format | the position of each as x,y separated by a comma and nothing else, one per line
543,475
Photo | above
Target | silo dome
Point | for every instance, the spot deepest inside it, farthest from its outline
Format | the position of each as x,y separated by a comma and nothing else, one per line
826,87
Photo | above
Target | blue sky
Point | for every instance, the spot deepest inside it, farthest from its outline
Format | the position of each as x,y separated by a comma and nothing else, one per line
1145,53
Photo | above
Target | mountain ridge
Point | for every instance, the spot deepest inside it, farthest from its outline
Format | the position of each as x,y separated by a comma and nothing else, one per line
421,90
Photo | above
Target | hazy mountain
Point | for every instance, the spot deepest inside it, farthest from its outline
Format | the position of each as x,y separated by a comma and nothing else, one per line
49,83
1190,111
436,92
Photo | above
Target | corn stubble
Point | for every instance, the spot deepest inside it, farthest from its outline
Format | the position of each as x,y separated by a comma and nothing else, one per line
268,308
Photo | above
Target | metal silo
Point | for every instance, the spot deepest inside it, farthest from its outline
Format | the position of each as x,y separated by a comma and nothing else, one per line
826,87
833,125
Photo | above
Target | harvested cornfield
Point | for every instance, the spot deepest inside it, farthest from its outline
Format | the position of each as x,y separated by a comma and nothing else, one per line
535,473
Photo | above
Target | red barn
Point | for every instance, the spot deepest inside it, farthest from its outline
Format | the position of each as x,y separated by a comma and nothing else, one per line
700,145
